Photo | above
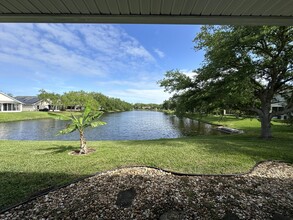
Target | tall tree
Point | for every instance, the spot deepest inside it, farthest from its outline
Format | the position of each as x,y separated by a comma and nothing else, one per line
80,99
53,98
245,68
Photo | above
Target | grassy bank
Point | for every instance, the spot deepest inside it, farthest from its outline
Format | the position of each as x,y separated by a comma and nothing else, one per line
30,166
248,125
22,116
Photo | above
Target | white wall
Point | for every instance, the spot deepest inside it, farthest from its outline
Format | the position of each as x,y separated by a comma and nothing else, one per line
4,98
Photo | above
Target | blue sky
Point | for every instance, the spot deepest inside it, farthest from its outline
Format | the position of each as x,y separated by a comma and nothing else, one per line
122,61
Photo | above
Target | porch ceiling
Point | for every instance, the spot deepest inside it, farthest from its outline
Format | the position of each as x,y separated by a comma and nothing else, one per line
244,12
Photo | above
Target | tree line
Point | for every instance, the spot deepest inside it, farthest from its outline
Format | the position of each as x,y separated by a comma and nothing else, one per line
75,100
150,106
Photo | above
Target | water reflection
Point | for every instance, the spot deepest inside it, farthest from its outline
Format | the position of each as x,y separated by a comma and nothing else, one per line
133,125
189,127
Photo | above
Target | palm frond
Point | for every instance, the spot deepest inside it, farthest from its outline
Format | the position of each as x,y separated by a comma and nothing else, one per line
86,112
87,119
73,118
60,116
97,123
80,120
69,129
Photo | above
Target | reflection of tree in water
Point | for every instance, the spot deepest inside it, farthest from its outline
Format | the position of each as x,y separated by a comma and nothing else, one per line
189,127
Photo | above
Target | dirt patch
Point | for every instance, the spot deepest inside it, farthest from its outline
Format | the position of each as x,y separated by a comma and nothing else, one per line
77,152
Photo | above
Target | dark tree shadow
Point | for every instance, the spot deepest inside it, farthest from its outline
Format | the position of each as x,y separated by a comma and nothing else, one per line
17,187
58,149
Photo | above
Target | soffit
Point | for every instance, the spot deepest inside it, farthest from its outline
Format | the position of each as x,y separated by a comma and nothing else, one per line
249,12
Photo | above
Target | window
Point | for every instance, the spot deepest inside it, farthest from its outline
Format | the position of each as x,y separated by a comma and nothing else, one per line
10,107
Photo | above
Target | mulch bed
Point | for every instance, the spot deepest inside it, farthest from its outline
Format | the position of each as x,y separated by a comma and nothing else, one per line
146,193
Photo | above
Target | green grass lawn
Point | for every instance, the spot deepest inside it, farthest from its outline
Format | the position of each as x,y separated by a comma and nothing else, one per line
248,125
28,167
21,116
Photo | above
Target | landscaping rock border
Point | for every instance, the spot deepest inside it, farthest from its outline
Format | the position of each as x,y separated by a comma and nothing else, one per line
263,193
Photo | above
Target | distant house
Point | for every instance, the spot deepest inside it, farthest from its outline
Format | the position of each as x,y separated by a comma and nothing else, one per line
9,104
33,103
278,104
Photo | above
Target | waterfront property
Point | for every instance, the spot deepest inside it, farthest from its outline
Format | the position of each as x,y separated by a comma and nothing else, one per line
33,103
9,104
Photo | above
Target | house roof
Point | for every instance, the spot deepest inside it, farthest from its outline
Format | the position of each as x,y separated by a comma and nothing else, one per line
244,12
28,100
10,97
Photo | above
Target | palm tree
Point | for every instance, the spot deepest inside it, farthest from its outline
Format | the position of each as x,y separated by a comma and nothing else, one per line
88,118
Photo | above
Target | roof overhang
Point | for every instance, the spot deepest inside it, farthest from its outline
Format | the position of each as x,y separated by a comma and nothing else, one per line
139,19
13,100
239,12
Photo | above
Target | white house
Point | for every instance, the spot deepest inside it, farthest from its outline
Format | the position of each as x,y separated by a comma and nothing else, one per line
9,104
32,103
278,104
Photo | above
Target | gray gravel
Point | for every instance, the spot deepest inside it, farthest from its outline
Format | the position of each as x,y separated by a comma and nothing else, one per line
265,193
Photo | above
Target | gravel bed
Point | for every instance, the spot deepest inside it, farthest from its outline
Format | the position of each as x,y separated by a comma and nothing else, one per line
145,193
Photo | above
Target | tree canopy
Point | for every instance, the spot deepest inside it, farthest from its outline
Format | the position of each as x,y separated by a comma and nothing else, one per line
79,99
50,97
149,106
245,67
82,99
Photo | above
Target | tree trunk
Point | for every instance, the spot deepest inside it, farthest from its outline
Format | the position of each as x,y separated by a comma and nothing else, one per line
265,119
83,147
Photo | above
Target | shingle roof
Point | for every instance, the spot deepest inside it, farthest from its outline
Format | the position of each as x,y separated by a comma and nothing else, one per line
27,100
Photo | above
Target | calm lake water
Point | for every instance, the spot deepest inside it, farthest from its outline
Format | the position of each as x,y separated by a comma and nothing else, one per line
132,125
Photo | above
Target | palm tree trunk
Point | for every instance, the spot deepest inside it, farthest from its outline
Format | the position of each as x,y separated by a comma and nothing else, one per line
83,147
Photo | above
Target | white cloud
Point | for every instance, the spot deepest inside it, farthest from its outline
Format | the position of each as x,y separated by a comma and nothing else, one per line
160,53
138,51
137,84
58,57
96,50
112,41
61,33
141,95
